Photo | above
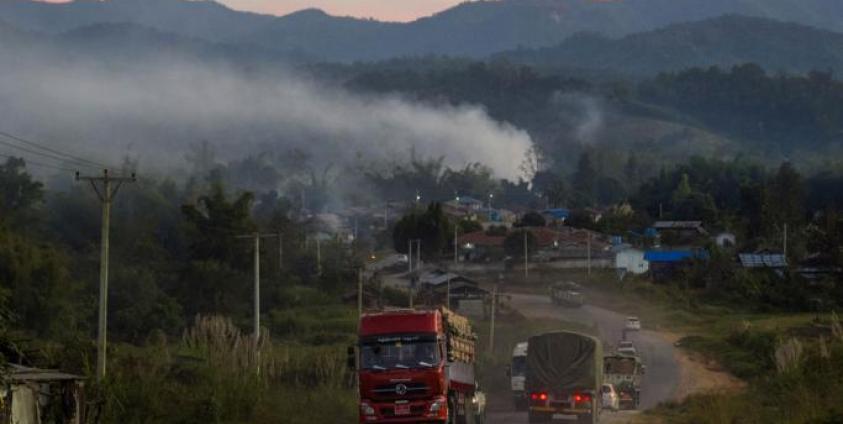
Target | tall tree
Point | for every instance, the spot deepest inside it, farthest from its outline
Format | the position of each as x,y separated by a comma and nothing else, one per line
215,222
789,205
18,192
585,181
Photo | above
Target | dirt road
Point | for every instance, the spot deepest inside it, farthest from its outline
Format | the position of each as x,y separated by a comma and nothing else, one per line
657,352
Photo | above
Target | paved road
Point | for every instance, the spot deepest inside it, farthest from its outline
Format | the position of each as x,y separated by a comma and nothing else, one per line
662,378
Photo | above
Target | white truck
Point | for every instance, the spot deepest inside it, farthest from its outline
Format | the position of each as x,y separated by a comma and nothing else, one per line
517,375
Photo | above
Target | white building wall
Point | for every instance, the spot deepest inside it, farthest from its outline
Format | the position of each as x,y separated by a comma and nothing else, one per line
632,260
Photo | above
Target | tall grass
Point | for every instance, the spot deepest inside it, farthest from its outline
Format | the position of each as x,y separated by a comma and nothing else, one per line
218,374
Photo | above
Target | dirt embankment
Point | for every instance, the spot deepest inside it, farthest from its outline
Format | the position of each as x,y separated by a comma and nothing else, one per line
700,375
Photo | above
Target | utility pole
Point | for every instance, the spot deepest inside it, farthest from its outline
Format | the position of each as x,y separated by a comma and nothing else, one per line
256,237
448,294
456,244
589,253
106,196
318,256
355,228
492,321
410,256
784,248
526,258
418,254
360,292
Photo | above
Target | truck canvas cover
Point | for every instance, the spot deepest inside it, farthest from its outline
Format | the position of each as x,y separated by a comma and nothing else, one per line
563,361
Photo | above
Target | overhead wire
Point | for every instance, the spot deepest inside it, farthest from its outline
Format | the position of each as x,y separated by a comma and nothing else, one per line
28,162
52,153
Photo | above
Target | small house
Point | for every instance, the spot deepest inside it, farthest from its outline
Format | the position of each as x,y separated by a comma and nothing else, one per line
35,396
631,261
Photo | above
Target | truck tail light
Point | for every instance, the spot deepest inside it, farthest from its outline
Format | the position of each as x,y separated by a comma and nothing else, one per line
582,398
366,409
538,396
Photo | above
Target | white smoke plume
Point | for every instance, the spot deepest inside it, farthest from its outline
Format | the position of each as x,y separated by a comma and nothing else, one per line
160,109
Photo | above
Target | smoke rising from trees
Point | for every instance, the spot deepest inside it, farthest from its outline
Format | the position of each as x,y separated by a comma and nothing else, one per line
156,110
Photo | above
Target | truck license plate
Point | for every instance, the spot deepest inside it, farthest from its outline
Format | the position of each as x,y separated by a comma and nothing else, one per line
402,409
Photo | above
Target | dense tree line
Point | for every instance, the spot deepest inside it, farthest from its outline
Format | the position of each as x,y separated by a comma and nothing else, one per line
174,254
789,111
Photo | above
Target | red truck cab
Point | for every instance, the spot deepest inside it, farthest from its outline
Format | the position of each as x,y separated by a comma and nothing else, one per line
407,370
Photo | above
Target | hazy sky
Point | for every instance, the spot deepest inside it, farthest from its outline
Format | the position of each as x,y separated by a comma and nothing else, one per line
392,10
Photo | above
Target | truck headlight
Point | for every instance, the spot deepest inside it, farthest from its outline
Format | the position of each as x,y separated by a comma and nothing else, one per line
437,405
367,409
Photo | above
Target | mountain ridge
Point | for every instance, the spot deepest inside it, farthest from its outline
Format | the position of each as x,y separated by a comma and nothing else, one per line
723,41
471,29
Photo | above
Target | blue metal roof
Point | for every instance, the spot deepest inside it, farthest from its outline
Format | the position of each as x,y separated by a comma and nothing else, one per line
673,255
558,213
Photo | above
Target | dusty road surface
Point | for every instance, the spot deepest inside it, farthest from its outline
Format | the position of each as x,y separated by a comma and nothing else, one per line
661,381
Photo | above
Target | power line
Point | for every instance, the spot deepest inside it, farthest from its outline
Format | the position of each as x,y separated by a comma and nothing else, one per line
64,156
28,162
42,154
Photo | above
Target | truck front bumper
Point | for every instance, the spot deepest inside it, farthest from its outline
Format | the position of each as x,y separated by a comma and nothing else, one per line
416,411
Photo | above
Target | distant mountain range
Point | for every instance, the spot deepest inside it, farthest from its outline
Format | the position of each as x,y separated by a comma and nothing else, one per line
724,41
474,29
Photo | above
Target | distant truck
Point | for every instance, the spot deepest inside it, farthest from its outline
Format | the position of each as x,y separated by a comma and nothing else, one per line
625,372
568,294
415,365
564,377
517,375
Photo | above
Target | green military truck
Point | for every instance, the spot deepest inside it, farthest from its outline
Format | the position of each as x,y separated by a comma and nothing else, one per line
567,294
625,372
564,376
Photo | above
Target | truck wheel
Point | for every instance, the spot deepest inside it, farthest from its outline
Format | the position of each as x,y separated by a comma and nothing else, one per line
452,410
469,417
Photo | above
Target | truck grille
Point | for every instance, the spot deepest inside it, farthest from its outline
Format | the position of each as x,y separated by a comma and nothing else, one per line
402,390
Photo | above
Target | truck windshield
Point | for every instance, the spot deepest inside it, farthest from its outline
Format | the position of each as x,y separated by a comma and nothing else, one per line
519,365
391,352
620,365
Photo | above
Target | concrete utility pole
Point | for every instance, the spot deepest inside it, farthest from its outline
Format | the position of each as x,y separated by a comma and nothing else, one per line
492,321
448,293
784,247
360,292
106,196
456,244
526,258
418,254
257,285
589,253
318,256
410,256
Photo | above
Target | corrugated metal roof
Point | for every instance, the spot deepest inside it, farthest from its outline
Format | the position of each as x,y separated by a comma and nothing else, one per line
678,224
669,255
558,213
22,373
754,260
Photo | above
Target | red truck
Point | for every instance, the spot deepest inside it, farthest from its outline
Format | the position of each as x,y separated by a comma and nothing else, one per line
415,366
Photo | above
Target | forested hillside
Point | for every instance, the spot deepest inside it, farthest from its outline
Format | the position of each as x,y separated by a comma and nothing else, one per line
723,41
